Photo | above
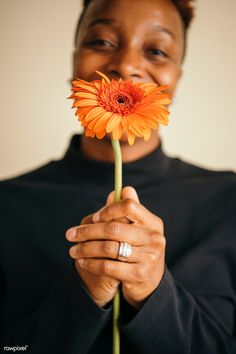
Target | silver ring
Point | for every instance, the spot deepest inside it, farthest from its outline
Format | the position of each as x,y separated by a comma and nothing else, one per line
125,250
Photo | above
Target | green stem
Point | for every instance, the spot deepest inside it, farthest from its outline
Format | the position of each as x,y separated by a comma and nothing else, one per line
116,330
118,168
118,188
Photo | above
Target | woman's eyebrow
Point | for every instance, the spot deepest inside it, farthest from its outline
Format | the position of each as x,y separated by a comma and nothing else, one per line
162,29
109,21
103,21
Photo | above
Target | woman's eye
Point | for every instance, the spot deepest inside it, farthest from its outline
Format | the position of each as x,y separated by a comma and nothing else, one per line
157,52
102,43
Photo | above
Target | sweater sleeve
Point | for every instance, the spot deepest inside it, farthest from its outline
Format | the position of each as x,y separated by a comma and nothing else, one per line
174,321
62,323
193,309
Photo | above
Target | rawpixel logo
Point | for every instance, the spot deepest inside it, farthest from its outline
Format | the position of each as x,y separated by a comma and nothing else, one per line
16,348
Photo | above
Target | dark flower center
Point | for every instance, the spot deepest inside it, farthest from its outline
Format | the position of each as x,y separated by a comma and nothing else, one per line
122,100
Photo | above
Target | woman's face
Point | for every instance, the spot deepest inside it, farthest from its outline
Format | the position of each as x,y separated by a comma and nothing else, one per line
141,40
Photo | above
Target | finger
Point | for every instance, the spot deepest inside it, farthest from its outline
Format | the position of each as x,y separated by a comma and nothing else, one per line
127,192
107,249
130,209
113,230
130,192
87,219
110,198
115,269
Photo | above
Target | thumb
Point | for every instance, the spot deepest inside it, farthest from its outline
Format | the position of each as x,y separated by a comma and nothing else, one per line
110,198
129,192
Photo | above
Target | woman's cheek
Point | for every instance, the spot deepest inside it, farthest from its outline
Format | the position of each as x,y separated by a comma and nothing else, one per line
170,78
84,67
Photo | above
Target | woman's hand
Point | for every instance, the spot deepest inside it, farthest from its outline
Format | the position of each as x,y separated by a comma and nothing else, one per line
98,245
101,287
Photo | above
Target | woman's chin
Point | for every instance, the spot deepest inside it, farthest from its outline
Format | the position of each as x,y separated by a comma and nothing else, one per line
123,139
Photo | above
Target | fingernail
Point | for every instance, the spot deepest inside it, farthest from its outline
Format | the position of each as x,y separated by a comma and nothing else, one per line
81,262
72,250
71,233
96,217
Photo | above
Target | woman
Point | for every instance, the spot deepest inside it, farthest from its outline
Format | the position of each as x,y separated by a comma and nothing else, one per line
177,286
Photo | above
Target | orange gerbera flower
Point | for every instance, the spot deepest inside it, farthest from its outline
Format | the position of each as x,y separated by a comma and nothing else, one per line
118,107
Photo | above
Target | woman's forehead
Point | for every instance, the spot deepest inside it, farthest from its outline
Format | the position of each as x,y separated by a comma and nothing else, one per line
147,13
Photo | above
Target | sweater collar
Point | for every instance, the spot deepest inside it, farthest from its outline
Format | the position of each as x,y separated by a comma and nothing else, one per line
154,166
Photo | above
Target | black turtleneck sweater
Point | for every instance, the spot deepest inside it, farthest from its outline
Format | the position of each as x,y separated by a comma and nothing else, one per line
45,307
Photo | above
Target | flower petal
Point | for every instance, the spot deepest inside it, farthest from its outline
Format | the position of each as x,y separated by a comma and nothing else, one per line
147,134
138,118
148,121
90,88
102,122
93,113
85,102
89,133
103,76
135,128
101,135
156,115
92,124
131,137
82,111
118,132
113,122
97,84
89,95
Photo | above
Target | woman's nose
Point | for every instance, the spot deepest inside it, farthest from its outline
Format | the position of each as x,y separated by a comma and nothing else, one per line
127,64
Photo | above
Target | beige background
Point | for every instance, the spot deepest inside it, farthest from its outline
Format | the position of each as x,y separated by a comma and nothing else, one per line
36,119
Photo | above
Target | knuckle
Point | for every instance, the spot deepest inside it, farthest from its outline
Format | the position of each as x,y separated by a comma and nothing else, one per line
106,267
112,228
129,205
152,257
84,220
109,248
140,271
84,264
154,235
160,224
128,286
106,214
81,248
84,231
157,239
162,242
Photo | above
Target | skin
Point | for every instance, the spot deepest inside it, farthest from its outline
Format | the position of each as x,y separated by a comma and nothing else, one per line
142,41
